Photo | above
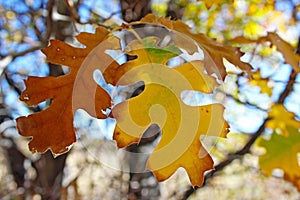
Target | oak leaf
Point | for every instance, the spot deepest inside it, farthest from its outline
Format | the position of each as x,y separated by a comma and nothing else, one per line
52,128
161,103
282,153
290,56
214,52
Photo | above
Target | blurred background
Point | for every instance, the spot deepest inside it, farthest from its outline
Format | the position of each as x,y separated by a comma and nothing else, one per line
94,168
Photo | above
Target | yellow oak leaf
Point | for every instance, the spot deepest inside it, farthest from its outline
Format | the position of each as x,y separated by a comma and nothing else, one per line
52,128
282,153
280,119
161,103
214,52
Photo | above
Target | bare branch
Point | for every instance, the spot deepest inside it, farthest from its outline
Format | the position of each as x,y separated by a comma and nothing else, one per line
288,88
49,20
43,43
31,49
240,101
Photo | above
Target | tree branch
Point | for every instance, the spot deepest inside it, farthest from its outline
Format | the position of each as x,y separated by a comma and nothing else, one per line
42,43
288,88
31,49
49,19
249,104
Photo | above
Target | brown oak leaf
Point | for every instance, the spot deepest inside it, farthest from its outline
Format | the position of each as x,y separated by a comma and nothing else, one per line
214,52
52,128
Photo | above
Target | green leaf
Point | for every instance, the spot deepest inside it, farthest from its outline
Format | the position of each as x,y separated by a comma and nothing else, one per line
282,152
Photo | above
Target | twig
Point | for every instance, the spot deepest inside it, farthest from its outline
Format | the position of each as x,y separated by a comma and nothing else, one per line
22,53
49,20
73,13
240,101
44,42
288,88
76,19
11,83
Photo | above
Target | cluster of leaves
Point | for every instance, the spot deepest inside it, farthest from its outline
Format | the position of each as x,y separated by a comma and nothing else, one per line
181,124
282,148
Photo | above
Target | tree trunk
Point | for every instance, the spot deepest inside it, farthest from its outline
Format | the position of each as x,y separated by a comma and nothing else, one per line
142,184
49,169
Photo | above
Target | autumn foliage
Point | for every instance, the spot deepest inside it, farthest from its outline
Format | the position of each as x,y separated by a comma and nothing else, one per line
160,102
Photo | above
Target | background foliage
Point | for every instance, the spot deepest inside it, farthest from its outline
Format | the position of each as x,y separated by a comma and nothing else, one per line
261,111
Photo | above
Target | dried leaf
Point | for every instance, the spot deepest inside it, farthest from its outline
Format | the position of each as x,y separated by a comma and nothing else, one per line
53,128
290,56
214,52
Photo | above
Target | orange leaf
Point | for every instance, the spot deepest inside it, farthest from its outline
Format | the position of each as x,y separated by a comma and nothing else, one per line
290,56
286,49
53,128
